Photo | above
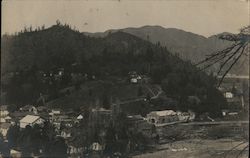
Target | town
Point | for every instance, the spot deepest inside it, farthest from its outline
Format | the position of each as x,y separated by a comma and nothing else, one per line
124,79
89,131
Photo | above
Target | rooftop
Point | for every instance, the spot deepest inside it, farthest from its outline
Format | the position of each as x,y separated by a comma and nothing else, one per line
164,112
27,107
100,109
29,118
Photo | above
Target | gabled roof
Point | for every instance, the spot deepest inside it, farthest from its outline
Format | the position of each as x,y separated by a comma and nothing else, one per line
30,118
164,112
56,109
7,117
79,117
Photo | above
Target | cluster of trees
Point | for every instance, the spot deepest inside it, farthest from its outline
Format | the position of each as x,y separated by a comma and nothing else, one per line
115,135
37,140
123,138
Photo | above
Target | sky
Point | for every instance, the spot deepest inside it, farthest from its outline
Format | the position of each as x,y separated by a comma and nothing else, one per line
204,17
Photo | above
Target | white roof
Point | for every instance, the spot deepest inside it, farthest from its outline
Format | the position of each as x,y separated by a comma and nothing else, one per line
165,112
80,117
12,151
7,117
29,118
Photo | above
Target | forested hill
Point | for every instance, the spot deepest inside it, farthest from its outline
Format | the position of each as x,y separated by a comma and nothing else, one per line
188,45
116,54
60,46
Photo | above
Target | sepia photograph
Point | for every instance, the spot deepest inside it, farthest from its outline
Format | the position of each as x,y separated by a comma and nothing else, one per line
124,79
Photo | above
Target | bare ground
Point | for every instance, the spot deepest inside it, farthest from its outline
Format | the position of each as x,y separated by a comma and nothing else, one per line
199,148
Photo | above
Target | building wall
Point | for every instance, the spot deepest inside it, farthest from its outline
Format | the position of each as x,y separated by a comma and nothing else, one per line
23,124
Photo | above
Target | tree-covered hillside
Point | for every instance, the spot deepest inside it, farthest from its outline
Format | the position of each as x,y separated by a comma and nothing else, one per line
27,56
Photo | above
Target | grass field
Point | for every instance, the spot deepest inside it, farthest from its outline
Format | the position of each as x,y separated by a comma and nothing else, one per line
92,93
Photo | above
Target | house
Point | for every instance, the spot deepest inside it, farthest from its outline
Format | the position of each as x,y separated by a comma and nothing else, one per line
4,111
18,115
15,153
29,108
74,150
186,116
62,119
4,127
65,133
31,120
228,95
96,146
225,112
7,119
60,71
55,112
161,117
134,77
235,93
79,117
183,116
2,119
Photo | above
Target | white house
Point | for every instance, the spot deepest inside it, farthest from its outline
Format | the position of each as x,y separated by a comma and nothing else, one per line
29,108
186,116
79,117
5,119
66,133
133,80
55,112
31,120
15,153
3,111
160,117
134,77
4,127
96,147
228,95
2,119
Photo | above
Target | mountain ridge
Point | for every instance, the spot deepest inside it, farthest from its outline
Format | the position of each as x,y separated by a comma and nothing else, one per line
188,45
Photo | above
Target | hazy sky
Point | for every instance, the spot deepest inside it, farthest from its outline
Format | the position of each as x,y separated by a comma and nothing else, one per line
204,17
